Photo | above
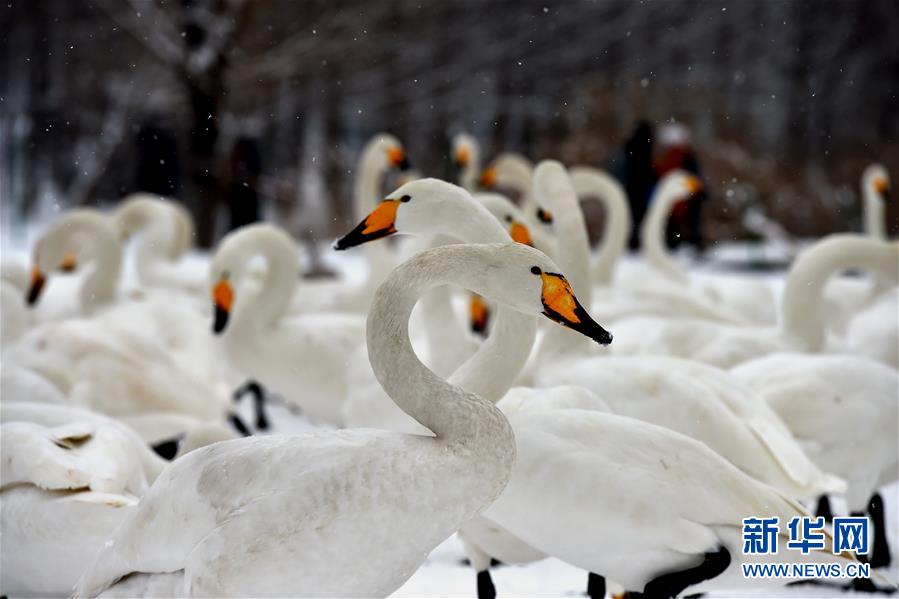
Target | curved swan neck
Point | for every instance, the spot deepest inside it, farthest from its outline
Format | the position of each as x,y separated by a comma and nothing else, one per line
92,235
652,233
802,308
263,307
591,182
158,233
454,415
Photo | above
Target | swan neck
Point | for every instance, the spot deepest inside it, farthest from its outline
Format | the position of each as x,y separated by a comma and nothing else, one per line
617,219
803,308
453,414
263,307
366,195
874,214
652,235
99,287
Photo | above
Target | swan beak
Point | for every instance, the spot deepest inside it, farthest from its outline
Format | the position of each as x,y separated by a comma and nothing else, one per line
37,285
397,158
544,216
882,187
560,305
222,298
378,224
463,155
69,263
488,178
694,185
479,313
520,233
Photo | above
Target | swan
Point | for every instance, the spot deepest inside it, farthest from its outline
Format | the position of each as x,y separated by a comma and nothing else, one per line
435,207
165,232
740,427
802,325
512,171
590,182
381,154
64,489
874,332
217,505
875,193
302,357
738,299
643,505
466,156
845,411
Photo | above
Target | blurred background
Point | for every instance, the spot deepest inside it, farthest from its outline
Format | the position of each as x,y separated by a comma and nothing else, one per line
778,104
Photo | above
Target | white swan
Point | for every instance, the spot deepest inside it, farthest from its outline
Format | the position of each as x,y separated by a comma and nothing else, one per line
802,325
590,182
737,299
349,494
14,317
511,171
165,232
466,156
65,487
303,357
643,505
875,193
845,411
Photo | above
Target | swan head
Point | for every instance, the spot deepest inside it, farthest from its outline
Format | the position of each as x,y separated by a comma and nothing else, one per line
426,207
677,186
386,152
465,150
508,214
507,170
876,178
527,280
61,247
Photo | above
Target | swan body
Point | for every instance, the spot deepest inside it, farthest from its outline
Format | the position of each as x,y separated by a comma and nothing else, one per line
802,326
631,500
843,410
705,404
303,357
206,507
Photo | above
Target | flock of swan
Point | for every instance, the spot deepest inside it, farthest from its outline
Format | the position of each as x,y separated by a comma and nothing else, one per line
468,384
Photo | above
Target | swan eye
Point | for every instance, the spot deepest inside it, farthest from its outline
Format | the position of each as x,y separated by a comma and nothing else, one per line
508,218
225,275
536,270
405,199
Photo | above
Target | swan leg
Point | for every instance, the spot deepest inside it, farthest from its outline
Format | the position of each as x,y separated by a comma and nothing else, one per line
486,590
259,394
880,552
596,586
673,583
238,424
823,509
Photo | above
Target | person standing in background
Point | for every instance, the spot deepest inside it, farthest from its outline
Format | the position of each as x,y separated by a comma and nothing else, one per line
685,222
639,176
243,194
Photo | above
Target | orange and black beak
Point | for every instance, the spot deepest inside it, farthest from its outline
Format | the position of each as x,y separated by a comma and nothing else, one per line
380,223
479,314
520,233
69,262
488,178
883,188
396,156
560,305
694,185
544,216
462,156
37,285
222,299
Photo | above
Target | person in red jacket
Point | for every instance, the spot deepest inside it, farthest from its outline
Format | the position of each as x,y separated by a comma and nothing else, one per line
685,222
